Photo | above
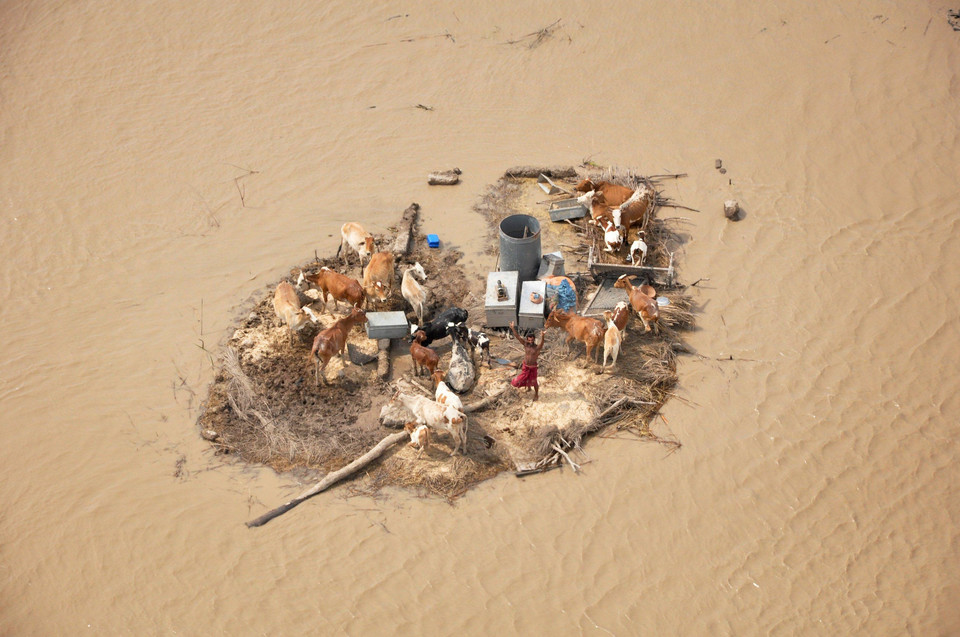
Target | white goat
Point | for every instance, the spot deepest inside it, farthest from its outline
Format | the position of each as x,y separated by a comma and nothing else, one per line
638,246
437,416
412,291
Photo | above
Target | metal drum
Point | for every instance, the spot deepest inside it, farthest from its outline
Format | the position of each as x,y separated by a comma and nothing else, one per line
520,246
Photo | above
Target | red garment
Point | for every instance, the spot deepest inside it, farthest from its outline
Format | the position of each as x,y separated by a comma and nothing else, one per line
526,378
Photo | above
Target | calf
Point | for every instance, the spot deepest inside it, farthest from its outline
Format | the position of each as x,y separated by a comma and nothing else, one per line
438,327
642,300
339,286
423,357
286,305
613,194
412,291
444,395
333,340
611,340
437,416
360,241
419,436
378,277
587,330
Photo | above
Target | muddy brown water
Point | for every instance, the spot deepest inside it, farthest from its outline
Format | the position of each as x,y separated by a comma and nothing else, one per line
163,162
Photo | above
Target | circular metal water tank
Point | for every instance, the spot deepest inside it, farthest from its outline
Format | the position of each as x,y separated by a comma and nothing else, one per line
520,246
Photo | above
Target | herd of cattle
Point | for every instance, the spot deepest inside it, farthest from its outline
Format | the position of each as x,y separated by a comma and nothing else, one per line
615,209
445,412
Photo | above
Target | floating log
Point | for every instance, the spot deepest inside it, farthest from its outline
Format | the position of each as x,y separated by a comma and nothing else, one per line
404,241
444,177
532,172
332,478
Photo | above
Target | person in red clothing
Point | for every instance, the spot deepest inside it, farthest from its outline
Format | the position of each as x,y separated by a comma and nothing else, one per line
531,352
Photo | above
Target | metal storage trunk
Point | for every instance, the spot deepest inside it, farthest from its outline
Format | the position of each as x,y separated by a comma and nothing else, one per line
387,325
500,313
531,314
551,265
567,209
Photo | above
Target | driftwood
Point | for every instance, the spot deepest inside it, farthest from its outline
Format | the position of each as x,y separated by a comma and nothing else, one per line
532,172
486,402
332,478
403,242
444,177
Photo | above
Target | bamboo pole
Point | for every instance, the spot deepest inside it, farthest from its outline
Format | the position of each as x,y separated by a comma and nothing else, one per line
332,478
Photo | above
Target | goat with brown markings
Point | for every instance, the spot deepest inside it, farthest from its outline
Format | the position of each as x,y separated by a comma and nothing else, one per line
621,313
444,395
643,300
423,357
419,436
339,286
587,330
333,340
437,416
611,340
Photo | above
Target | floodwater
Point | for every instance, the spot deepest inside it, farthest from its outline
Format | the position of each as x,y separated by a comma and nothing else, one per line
162,162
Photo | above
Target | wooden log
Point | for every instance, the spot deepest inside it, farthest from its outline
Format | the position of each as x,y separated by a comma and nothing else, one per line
383,358
486,402
404,241
532,172
444,177
332,478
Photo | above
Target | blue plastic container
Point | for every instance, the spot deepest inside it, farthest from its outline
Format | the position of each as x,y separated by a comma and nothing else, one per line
433,241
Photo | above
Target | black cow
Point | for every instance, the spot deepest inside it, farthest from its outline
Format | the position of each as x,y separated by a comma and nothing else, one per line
437,328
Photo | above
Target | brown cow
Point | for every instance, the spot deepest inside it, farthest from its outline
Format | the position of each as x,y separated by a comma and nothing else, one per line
379,275
613,194
339,286
333,340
